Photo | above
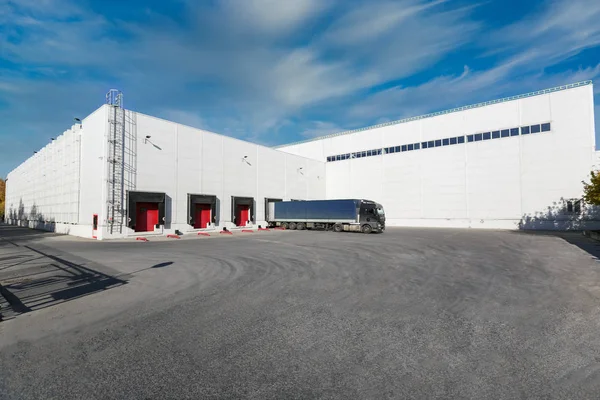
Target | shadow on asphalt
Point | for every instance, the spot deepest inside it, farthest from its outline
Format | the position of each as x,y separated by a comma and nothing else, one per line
15,234
576,238
48,280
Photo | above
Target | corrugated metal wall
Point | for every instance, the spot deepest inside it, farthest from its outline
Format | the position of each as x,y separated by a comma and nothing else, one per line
45,188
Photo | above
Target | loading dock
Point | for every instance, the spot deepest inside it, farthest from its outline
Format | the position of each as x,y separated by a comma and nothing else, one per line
146,210
267,201
242,210
202,210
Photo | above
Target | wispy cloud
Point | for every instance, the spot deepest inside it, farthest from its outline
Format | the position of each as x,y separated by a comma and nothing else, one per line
320,128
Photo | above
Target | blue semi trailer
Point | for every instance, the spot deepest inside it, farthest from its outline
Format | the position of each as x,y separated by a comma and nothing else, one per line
338,215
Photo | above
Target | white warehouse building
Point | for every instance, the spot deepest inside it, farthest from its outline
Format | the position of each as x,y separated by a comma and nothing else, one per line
514,163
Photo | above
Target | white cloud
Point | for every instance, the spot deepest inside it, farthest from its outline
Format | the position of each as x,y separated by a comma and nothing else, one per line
189,118
321,128
272,16
446,92
563,29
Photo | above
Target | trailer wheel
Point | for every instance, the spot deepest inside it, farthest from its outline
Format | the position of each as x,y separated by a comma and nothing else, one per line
285,225
301,226
366,228
292,226
338,227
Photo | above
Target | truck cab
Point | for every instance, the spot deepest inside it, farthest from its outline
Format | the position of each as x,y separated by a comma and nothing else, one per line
371,214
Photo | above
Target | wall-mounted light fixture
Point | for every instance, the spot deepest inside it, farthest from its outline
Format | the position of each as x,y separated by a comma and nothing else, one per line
147,140
77,120
300,171
245,159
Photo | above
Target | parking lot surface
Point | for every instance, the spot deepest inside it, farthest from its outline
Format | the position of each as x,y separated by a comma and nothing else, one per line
411,313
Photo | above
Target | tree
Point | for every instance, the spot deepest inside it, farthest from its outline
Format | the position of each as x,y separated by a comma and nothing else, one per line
591,190
2,198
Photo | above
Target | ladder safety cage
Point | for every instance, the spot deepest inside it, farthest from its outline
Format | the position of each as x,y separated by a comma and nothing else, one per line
116,161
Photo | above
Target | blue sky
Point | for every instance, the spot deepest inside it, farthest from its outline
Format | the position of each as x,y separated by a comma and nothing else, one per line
275,71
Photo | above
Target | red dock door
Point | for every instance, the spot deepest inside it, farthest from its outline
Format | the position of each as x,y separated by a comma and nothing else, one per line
146,217
242,214
202,216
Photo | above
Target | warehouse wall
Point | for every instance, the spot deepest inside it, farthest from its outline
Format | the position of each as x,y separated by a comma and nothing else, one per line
43,192
93,169
522,181
179,160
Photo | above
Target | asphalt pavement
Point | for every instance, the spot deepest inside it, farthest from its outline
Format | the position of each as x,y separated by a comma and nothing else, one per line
411,313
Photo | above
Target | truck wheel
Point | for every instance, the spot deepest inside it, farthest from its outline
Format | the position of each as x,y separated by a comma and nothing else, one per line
338,228
301,226
285,225
366,229
292,226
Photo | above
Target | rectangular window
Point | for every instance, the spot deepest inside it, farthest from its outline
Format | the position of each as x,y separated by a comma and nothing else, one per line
430,144
496,135
343,157
328,159
390,149
358,155
337,158
514,132
369,153
438,143
404,148
424,145
546,127
461,139
445,142
397,149
364,153
535,129
524,130
378,151
452,140
478,137
505,133
487,136
469,138
573,206
417,146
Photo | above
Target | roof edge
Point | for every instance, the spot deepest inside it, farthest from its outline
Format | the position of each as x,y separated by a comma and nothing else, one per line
435,114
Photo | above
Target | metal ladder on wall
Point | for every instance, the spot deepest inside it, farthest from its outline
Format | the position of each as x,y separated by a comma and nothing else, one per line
116,161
